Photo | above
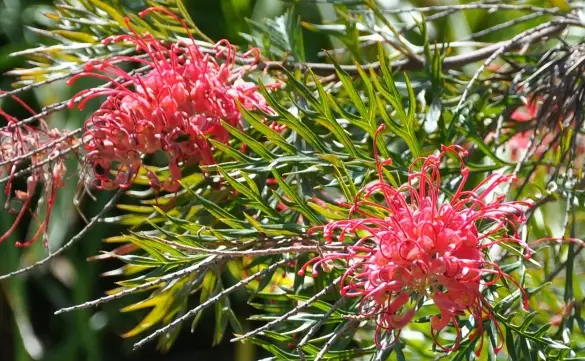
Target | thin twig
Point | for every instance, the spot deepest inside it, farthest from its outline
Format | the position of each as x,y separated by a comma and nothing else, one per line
504,25
533,34
316,327
208,262
210,302
475,6
43,148
559,268
385,348
334,338
428,19
64,104
252,252
64,76
55,156
71,242
451,62
290,313
443,14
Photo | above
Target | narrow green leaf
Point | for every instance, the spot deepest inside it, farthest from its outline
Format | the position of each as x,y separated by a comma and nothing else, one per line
208,286
256,146
329,121
76,36
112,12
230,151
270,134
510,345
250,194
219,213
329,212
294,198
221,320
135,208
293,122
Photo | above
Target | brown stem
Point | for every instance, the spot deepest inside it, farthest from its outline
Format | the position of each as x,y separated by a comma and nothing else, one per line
411,64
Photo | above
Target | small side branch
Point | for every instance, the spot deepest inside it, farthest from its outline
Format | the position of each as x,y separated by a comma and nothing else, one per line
208,262
451,62
71,242
210,302
290,313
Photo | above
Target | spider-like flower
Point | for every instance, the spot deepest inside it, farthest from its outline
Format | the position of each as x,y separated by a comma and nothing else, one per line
418,243
174,107
39,152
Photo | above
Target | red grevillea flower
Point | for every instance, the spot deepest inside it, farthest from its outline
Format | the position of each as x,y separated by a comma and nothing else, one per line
519,143
526,113
41,150
416,243
173,108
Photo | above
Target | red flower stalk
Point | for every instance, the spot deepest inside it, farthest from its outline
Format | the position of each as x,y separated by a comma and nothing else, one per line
173,108
40,150
421,244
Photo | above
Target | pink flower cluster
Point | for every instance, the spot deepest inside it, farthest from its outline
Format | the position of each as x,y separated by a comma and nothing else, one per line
39,152
174,108
417,243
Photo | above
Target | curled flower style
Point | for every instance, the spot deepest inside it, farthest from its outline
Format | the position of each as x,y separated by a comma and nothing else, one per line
39,152
179,103
417,243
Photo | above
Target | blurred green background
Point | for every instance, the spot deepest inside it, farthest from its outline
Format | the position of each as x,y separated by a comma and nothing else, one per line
28,328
